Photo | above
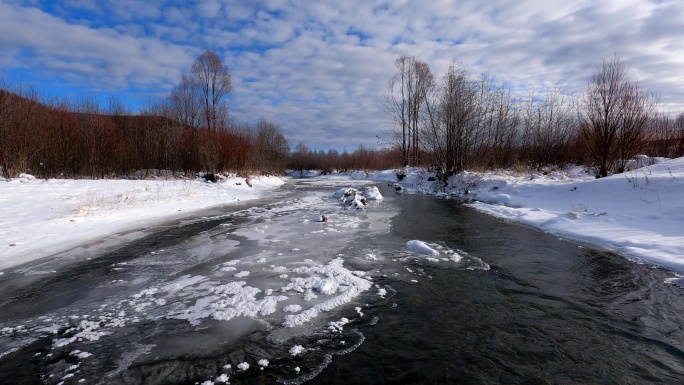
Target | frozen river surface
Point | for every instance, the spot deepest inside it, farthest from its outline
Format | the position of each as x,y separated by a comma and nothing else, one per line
408,290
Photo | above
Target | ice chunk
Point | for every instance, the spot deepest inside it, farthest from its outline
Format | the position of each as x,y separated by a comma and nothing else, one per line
292,308
421,247
297,350
372,193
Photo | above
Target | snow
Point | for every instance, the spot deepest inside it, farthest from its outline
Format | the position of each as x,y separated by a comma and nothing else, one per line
421,247
357,199
297,350
638,214
338,283
39,218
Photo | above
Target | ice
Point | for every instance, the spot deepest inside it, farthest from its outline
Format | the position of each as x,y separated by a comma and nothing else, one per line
336,276
357,199
297,350
243,366
336,326
306,279
372,193
262,362
421,247
292,308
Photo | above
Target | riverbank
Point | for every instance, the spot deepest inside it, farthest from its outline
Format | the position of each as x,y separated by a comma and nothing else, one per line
39,218
638,214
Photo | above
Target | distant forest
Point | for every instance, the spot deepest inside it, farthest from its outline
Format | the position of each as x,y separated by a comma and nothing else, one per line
448,124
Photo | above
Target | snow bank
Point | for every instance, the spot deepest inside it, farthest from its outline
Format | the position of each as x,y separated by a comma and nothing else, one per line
44,217
639,213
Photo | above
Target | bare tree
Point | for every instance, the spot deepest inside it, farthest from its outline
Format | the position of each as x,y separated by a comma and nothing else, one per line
613,115
271,150
405,99
214,82
450,115
185,101
662,136
548,128
679,123
502,128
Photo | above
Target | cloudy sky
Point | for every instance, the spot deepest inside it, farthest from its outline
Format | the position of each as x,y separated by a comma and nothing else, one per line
320,68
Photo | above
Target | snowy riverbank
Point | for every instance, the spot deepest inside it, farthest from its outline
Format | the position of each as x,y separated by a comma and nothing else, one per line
638,214
43,217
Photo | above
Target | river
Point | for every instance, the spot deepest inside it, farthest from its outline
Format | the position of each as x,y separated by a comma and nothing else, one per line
267,284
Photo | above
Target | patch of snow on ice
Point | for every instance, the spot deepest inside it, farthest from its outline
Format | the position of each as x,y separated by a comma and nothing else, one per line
243,366
382,292
297,350
372,193
421,247
292,308
336,326
338,280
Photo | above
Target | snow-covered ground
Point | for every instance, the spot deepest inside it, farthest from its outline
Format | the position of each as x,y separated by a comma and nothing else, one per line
43,217
638,214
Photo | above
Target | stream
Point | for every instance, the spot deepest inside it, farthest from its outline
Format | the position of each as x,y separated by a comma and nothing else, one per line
269,292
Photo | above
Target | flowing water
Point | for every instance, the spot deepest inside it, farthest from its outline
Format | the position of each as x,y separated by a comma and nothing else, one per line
501,303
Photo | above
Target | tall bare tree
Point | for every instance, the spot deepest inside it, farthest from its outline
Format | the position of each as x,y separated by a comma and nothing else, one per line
214,82
450,119
185,102
404,102
613,115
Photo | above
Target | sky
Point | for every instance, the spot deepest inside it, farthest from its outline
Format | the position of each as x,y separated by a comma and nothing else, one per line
320,68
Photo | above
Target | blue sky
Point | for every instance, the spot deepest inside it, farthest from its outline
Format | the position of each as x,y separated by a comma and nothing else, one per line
320,68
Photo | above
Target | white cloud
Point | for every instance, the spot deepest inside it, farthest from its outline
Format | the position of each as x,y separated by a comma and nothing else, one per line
102,56
321,68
